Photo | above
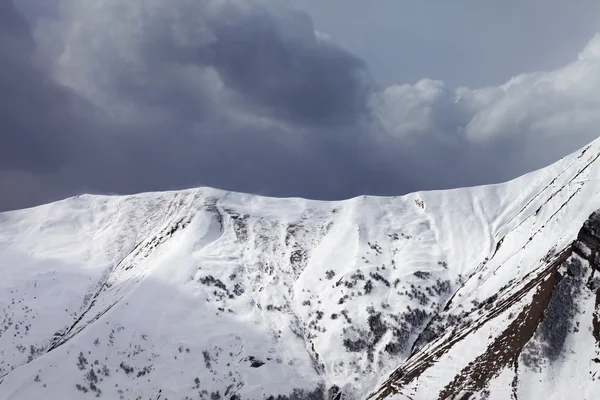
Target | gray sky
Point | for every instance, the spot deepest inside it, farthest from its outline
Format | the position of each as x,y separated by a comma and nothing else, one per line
470,43
122,96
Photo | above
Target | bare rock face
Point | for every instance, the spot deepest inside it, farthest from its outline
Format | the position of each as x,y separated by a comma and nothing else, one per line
587,244
588,247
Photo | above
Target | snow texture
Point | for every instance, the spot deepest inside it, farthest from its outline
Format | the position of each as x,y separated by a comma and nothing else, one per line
219,295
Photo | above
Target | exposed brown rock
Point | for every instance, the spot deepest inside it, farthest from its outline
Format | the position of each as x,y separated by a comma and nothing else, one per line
507,347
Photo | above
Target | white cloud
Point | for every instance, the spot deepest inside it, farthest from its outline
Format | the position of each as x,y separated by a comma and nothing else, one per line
541,106
592,50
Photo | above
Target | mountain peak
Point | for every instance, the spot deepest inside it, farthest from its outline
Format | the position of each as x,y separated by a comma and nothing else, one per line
208,294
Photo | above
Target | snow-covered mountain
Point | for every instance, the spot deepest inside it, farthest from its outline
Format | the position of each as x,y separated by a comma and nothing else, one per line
485,292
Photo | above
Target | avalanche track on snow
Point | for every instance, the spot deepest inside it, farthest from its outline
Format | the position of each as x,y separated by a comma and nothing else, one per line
488,292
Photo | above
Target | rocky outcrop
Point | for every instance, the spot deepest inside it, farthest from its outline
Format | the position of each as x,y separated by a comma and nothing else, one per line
537,335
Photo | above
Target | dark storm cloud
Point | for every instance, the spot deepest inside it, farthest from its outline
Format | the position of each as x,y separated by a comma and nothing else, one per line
34,111
120,96
271,63
244,98
302,80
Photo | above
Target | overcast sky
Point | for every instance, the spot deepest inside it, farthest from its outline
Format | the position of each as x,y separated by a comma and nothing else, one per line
324,100
470,43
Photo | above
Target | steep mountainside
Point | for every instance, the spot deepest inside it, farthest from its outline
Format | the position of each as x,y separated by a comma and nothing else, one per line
485,292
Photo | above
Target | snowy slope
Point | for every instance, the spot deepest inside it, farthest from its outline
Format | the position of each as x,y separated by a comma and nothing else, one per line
207,294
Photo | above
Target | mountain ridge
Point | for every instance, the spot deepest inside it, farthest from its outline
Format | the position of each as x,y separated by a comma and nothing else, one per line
209,294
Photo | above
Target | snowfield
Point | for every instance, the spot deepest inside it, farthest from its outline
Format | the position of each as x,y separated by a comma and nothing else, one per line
484,292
